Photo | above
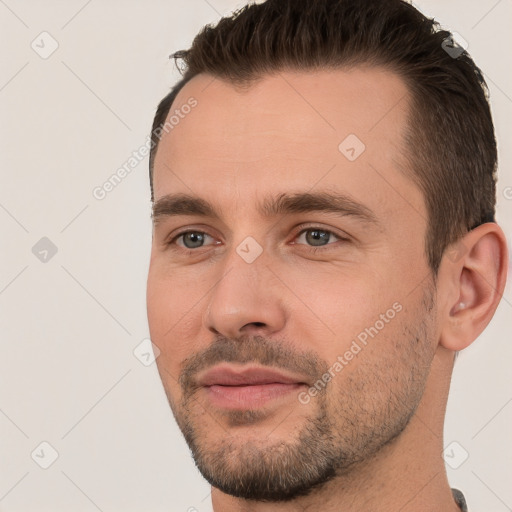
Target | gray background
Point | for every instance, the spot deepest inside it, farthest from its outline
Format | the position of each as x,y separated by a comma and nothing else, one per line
70,323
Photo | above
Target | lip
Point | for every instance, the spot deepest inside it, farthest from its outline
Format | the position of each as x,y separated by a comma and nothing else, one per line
247,387
227,375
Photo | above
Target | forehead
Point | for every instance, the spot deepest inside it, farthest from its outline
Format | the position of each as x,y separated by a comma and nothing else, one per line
291,130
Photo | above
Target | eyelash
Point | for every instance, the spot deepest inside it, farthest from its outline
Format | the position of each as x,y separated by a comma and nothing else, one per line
304,230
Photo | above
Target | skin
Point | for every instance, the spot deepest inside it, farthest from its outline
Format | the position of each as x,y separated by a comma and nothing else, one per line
386,407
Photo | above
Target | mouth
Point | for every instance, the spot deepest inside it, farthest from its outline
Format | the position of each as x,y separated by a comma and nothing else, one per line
248,387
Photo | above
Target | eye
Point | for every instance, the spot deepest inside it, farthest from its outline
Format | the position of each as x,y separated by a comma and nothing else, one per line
317,237
191,239
314,236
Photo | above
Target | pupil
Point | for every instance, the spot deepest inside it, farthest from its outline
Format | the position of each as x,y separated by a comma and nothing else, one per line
195,238
316,236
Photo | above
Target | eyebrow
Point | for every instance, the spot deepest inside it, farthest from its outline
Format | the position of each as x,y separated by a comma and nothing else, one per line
172,205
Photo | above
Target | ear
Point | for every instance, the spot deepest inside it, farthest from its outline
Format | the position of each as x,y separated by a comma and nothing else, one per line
471,281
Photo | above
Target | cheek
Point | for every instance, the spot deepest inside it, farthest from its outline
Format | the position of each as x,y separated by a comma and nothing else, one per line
174,317
347,317
341,301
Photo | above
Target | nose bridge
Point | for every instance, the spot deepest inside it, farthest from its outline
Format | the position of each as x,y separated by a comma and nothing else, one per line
245,296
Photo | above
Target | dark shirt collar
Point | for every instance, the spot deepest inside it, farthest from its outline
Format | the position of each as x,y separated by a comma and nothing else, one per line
460,500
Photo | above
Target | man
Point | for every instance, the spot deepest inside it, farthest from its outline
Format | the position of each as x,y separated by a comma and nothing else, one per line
324,243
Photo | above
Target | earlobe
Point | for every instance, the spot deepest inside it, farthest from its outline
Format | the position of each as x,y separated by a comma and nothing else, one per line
477,281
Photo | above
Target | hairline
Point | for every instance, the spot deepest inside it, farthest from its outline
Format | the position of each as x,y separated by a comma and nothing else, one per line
247,84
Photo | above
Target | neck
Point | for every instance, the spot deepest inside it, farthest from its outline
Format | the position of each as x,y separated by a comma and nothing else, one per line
408,474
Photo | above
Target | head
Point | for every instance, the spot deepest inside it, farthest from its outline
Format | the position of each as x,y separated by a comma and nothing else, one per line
314,208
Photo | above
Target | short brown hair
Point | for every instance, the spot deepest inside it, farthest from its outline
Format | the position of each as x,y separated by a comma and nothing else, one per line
451,147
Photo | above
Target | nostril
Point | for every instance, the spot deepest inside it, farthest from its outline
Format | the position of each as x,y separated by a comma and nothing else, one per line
254,325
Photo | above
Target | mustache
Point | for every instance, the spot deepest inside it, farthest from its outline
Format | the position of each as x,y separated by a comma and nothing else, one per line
250,349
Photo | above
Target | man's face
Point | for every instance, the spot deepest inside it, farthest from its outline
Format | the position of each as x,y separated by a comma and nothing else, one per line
295,341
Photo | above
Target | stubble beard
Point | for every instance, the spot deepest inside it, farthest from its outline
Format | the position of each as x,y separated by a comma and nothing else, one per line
349,423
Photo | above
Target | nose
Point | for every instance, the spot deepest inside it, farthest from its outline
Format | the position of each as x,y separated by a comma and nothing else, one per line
247,299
